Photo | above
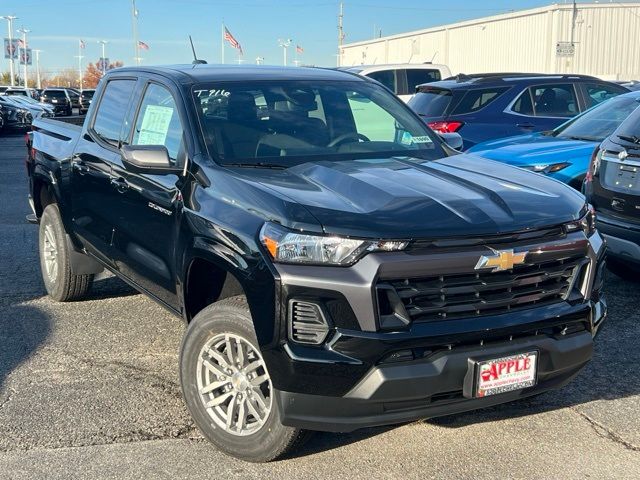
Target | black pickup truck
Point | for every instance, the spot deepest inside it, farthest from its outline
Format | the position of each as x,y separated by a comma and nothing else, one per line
337,263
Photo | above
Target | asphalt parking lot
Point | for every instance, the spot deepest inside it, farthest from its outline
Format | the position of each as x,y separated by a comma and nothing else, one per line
90,390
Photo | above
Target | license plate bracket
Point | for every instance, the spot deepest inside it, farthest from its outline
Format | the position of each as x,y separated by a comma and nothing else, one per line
507,373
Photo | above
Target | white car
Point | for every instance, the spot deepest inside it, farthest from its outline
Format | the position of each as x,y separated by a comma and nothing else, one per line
402,78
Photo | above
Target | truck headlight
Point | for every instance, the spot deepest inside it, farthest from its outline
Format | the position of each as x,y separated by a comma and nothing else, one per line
287,246
587,223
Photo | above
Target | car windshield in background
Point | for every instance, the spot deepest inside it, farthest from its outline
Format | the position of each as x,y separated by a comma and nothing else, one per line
287,123
599,122
431,102
88,94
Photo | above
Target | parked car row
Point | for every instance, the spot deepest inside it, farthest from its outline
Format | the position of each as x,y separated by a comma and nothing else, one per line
19,105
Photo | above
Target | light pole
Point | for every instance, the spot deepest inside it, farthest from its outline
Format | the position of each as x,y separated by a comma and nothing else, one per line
38,82
10,19
79,57
284,44
24,32
104,58
134,22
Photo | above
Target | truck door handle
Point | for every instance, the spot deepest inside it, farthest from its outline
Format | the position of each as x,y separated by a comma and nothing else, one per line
80,167
525,125
120,184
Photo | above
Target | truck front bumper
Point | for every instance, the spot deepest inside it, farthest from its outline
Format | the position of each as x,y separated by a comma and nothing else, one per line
434,386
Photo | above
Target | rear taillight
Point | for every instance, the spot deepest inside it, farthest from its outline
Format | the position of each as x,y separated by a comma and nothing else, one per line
445,127
594,164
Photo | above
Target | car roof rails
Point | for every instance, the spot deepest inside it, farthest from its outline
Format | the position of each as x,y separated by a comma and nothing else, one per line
480,77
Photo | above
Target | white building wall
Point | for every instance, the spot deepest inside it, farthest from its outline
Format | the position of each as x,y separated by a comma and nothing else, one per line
606,38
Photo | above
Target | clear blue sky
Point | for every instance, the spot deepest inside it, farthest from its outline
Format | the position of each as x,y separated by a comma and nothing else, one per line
56,26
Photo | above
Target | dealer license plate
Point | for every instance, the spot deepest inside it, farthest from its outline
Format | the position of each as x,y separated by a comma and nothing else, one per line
506,374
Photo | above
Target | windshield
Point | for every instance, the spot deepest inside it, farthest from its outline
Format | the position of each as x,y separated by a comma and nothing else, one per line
286,123
599,122
9,101
88,94
27,101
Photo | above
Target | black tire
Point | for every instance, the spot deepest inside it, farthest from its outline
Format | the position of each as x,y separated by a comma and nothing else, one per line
626,270
273,439
63,286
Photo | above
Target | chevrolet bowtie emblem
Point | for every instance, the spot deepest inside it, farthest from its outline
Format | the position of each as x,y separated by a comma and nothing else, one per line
501,260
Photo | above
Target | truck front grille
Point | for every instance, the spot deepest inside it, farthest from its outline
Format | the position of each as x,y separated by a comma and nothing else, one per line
477,294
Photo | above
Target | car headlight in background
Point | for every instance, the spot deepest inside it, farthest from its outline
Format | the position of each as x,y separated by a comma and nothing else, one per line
287,246
549,168
587,223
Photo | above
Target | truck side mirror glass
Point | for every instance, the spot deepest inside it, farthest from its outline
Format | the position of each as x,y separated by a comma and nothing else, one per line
454,140
151,159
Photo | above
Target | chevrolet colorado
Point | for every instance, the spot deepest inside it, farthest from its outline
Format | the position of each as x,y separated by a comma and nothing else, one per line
337,263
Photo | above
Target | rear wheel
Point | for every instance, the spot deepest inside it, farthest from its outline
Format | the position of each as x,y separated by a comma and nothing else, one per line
227,387
626,270
60,282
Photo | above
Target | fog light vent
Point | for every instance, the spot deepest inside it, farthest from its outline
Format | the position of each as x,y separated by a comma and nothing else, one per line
307,323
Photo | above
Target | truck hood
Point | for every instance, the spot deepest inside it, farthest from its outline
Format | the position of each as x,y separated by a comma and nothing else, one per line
412,198
535,149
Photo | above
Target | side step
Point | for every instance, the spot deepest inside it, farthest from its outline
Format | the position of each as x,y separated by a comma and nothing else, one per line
32,218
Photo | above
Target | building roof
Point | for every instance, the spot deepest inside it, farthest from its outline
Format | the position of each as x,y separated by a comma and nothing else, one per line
493,18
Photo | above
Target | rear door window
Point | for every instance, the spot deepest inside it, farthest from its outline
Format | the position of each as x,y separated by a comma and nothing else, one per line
387,78
113,108
524,103
474,100
431,102
418,76
555,100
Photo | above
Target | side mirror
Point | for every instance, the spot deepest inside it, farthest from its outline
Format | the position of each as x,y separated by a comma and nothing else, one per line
151,159
454,140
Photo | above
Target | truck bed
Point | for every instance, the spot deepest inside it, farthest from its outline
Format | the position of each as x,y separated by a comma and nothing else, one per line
57,137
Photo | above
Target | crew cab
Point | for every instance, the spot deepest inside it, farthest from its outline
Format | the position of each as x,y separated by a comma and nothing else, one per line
335,272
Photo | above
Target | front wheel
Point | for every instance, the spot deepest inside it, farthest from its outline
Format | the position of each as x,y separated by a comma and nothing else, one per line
60,282
227,387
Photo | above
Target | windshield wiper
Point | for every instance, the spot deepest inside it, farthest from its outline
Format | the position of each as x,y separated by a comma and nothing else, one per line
584,139
629,138
274,166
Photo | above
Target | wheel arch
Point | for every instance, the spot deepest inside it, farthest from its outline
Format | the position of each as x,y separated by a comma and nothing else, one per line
209,277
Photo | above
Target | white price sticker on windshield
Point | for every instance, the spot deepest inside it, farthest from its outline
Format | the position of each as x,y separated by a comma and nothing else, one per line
424,139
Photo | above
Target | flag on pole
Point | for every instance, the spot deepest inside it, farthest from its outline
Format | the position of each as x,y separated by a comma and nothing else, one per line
82,45
21,43
143,45
299,49
231,39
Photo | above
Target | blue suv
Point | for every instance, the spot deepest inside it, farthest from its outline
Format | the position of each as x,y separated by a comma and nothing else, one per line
488,106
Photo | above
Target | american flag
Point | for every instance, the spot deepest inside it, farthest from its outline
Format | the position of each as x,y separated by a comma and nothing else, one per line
299,49
143,45
82,45
231,39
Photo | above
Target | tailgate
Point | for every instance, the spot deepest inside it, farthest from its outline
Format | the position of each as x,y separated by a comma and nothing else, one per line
617,188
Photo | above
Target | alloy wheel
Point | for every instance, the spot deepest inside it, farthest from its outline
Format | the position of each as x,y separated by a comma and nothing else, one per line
50,253
234,385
